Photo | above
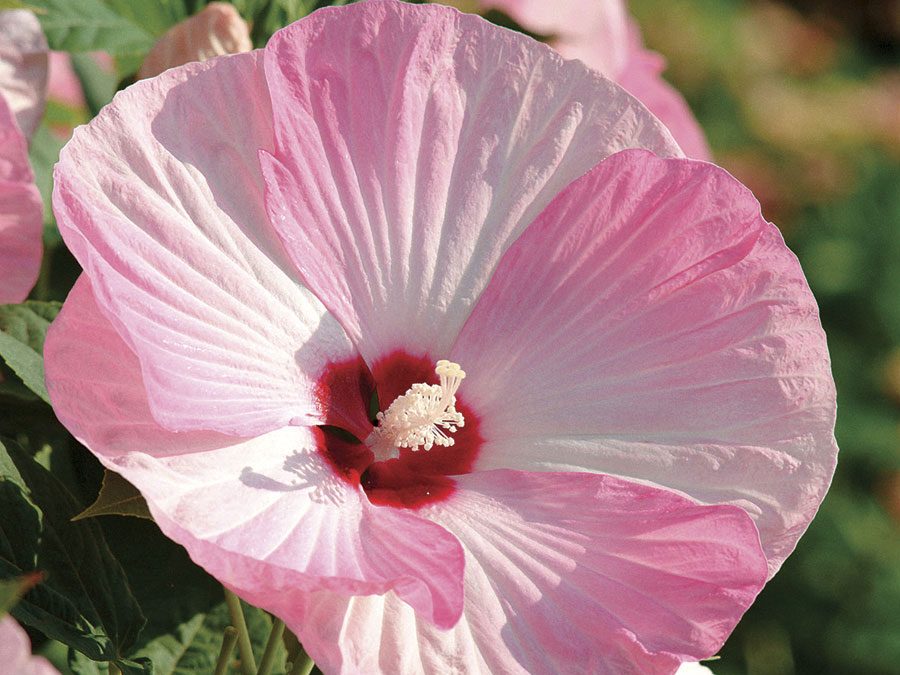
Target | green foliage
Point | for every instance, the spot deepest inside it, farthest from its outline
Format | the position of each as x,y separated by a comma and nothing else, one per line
59,269
98,84
92,25
85,601
193,645
117,497
79,664
184,606
155,17
267,16
13,589
31,424
12,389
22,331
43,153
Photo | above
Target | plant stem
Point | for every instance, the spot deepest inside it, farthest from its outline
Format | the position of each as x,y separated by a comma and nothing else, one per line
302,665
114,669
248,663
268,657
229,638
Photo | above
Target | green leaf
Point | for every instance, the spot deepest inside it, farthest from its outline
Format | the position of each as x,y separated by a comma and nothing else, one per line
90,25
156,17
184,606
33,426
13,589
43,151
99,85
85,602
79,664
11,387
250,9
22,331
169,599
9,473
117,497
193,646
267,16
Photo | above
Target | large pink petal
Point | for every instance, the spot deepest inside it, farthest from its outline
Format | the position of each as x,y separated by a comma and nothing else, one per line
565,573
263,515
651,324
269,519
23,67
96,387
15,651
414,144
160,199
21,214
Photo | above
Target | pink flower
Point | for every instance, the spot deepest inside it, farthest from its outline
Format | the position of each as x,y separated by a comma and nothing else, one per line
218,29
23,67
23,80
605,37
15,652
64,86
65,93
386,191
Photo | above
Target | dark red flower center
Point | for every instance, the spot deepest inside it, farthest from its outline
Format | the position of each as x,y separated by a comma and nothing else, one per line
415,478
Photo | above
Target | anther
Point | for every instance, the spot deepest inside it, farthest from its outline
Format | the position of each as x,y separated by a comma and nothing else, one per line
422,417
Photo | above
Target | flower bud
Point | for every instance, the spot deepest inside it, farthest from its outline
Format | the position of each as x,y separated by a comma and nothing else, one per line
217,30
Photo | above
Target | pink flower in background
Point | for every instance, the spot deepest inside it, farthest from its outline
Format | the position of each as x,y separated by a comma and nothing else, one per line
15,651
65,95
64,86
23,67
217,29
23,80
605,37
606,411
21,213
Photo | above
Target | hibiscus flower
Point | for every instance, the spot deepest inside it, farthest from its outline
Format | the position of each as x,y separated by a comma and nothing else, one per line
15,651
23,84
603,35
404,345
23,67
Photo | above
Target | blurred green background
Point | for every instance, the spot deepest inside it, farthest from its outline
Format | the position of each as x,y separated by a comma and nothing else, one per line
801,101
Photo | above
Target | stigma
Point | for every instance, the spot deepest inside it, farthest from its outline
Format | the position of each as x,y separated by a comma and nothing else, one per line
422,417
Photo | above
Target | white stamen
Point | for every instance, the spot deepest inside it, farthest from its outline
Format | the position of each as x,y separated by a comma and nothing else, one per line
421,416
